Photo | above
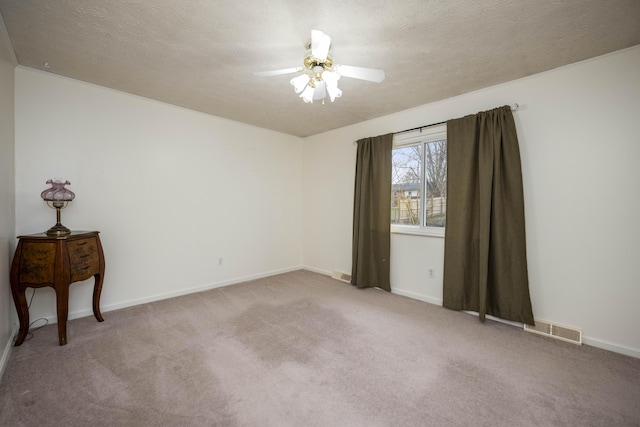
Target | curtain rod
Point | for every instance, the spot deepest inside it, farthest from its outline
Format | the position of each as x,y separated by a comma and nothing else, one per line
514,107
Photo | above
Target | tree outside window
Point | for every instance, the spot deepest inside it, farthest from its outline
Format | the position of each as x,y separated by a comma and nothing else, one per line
418,169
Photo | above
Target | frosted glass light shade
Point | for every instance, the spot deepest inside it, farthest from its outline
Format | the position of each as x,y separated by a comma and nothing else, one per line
300,82
57,192
307,94
331,78
317,86
334,92
320,92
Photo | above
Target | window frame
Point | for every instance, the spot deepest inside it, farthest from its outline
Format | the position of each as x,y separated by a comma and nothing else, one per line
421,137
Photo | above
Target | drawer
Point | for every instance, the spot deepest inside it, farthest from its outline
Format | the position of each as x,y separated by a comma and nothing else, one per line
84,260
37,262
82,247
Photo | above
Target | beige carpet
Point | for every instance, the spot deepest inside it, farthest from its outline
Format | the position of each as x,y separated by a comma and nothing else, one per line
301,349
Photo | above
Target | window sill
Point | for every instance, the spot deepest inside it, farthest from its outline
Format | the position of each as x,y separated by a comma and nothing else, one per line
417,231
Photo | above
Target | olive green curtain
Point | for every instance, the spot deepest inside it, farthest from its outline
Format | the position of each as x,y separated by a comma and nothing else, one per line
485,264
372,213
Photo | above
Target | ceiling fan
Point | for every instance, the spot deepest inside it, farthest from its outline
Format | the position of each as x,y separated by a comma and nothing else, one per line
319,74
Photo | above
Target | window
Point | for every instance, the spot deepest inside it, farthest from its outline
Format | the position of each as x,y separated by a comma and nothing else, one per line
419,181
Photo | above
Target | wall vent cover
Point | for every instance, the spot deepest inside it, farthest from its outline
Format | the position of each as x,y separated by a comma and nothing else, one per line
553,330
343,277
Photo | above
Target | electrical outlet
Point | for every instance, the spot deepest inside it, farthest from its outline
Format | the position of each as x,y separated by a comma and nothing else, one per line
220,261
431,273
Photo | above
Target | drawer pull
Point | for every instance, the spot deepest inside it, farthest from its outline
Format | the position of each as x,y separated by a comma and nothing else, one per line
82,243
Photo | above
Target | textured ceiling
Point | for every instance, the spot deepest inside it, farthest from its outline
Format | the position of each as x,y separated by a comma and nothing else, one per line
201,54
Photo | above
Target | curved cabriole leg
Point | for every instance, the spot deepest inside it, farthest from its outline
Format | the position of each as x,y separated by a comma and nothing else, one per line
97,290
23,313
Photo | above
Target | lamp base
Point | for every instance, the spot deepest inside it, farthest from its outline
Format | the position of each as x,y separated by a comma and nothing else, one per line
58,230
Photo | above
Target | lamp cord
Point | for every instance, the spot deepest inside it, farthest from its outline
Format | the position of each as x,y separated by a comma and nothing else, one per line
31,331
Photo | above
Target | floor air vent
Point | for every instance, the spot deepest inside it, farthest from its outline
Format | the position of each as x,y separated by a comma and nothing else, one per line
343,277
549,329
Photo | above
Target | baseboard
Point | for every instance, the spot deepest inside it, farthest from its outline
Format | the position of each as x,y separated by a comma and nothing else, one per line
4,361
616,348
316,270
419,297
159,297
394,290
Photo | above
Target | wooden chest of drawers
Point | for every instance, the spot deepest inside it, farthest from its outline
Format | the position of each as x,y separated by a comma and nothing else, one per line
56,261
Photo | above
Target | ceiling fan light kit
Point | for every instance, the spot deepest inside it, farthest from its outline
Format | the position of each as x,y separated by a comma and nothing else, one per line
320,75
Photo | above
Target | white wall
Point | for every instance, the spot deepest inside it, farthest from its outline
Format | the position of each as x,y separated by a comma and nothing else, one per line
579,133
171,190
7,191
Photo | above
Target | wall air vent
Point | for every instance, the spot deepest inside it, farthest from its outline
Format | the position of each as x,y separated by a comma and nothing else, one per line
339,275
553,330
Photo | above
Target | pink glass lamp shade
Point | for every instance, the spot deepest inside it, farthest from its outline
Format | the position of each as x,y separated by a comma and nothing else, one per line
58,197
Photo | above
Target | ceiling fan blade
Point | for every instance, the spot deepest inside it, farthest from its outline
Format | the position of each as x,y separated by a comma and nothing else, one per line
320,44
278,72
369,74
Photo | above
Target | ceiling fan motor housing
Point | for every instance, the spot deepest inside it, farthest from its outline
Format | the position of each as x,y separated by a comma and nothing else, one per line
310,62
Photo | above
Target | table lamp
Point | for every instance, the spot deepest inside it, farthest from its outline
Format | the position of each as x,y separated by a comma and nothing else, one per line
58,197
